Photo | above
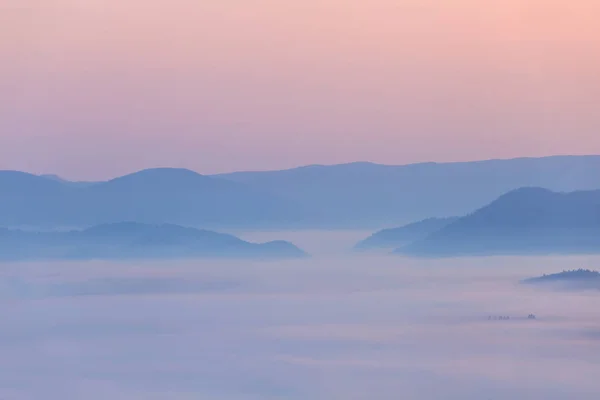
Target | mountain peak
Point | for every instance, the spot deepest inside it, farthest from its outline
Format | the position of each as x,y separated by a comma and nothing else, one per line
164,172
524,221
160,179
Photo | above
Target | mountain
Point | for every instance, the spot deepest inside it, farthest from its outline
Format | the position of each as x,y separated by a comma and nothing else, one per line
30,200
153,196
524,221
23,184
131,240
358,195
369,195
395,237
574,279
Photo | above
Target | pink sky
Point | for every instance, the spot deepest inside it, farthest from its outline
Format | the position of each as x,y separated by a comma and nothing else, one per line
91,89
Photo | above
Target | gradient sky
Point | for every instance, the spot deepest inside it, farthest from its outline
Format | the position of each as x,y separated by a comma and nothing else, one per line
91,89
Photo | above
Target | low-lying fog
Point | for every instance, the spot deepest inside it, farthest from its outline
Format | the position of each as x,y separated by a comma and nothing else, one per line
335,326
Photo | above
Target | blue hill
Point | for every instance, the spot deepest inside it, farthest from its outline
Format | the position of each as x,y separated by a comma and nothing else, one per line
524,221
132,240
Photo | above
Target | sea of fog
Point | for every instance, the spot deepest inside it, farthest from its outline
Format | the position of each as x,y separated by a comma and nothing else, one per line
335,326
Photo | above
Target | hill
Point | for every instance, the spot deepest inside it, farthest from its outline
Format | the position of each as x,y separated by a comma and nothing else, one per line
357,195
30,200
524,221
369,195
129,240
395,237
153,196
575,279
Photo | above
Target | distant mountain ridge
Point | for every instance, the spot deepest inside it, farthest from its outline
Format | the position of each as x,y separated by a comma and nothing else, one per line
372,195
355,195
156,196
523,221
132,240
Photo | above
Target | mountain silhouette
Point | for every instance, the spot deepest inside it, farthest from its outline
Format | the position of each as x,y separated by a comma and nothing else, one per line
369,195
356,195
15,183
155,196
395,237
523,221
129,240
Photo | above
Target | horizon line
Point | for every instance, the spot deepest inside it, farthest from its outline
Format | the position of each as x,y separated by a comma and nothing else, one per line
305,166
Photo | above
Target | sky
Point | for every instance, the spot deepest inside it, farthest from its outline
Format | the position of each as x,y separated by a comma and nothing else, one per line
321,328
91,89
